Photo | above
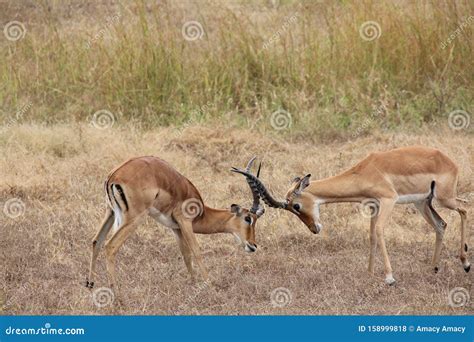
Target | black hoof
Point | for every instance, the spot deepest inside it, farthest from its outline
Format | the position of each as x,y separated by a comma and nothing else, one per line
467,269
89,284
436,269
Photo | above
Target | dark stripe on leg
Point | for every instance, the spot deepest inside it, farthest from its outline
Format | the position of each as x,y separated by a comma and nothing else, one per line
122,195
107,192
438,218
113,195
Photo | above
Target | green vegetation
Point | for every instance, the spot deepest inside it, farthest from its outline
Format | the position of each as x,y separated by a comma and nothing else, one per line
307,58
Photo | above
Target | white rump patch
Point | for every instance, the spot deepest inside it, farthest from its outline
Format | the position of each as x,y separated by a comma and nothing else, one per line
118,218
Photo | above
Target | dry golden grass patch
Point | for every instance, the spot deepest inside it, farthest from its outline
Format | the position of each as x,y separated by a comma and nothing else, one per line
58,172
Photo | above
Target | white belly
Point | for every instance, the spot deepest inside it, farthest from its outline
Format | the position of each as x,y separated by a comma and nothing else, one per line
412,198
165,220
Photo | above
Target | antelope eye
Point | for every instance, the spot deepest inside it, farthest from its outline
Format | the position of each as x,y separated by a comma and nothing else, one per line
248,219
296,206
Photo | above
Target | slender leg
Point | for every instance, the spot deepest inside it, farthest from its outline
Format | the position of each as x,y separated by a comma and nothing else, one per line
97,243
463,254
386,207
189,238
439,226
185,251
453,205
111,248
373,245
437,252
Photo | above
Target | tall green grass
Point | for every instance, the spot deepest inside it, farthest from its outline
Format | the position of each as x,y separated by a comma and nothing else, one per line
306,57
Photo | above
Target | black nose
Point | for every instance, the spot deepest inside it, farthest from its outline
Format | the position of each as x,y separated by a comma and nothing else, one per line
252,247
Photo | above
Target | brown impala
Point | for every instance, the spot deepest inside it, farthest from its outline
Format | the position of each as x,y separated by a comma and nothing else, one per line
149,185
413,174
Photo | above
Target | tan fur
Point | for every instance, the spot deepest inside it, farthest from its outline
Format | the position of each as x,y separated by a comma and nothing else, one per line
402,174
150,186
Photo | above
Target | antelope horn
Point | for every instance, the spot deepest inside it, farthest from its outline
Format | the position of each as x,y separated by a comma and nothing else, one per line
256,208
257,186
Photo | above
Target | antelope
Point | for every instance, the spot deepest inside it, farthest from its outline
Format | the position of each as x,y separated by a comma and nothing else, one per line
149,185
404,175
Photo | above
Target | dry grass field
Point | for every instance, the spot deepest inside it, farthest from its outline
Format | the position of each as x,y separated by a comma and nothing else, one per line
57,172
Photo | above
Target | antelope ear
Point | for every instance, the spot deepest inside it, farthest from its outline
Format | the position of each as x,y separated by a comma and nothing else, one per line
304,182
236,209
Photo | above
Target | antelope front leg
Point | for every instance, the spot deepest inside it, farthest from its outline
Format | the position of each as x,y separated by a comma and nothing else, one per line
189,238
385,209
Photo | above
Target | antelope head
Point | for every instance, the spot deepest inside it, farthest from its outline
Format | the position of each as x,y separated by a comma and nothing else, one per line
297,201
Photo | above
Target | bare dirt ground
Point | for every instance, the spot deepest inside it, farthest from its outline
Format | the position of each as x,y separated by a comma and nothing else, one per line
57,173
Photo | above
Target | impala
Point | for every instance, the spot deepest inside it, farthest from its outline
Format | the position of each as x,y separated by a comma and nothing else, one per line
405,175
149,185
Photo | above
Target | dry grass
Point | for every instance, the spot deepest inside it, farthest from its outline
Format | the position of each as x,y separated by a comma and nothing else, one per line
306,57
58,172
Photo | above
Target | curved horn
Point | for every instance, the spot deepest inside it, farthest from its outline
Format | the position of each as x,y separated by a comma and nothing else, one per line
256,208
249,164
257,186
